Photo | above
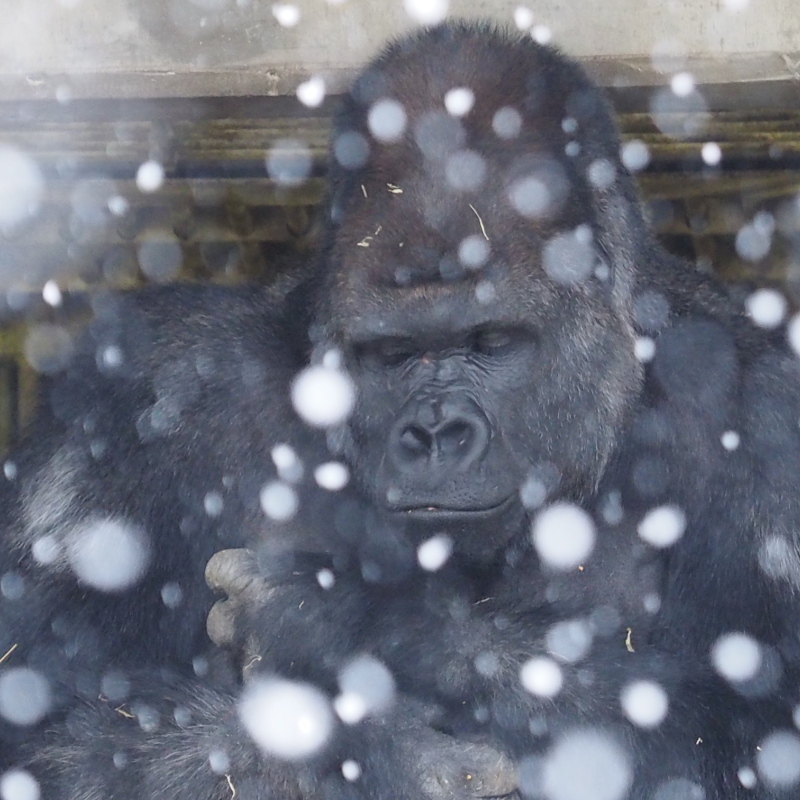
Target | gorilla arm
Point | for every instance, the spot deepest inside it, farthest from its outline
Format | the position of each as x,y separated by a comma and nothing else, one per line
189,743
468,657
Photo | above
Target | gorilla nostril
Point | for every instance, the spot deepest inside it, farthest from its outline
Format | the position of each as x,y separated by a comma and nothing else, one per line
455,438
416,440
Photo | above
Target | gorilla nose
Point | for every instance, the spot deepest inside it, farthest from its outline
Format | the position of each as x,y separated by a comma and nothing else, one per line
455,440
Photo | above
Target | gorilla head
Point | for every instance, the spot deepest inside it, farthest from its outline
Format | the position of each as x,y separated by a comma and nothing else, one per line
479,268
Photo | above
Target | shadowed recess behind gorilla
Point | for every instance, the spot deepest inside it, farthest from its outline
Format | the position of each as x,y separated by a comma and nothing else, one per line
546,554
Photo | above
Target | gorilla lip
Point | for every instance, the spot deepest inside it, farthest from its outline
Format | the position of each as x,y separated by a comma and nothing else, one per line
449,512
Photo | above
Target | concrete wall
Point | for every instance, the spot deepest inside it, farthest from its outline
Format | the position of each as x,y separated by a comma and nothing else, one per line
163,48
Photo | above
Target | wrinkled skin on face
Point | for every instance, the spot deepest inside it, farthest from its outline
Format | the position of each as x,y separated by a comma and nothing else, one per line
470,288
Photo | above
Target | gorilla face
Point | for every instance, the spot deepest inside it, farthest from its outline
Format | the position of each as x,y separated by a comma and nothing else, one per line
461,400
477,287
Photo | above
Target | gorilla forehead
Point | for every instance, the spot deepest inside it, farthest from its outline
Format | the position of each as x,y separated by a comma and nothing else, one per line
442,307
436,178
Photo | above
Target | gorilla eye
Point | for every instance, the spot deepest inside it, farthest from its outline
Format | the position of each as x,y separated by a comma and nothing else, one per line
385,353
493,341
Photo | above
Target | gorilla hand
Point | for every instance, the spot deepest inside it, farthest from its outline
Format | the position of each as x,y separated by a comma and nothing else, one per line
400,741
284,619
442,767
452,768
234,573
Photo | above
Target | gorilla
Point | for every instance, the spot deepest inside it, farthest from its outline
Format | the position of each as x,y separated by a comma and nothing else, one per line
567,555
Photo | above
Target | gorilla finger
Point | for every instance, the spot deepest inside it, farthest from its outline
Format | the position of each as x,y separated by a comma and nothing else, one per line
221,623
457,770
232,571
490,773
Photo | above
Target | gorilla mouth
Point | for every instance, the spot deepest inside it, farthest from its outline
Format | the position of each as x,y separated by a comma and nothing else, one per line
439,512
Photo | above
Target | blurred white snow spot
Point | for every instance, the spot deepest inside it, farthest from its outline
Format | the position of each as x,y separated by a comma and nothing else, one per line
108,554
569,640
682,84
736,656
766,307
351,770
286,14
12,585
25,696
171,594
711,153
46,549
350,708
644,349
568,258
332,476
386,120
465,170
287,462
459,101
286,719
541,34
433,553
507,122
541,676
754,240
662,526
219,762
118,205
586,764
51,294
427,12
635,155
21,187
289,162
793,333
17,784
530,196
747,777
150,176
679,117
213,504
366,687
111,357
311,93
563,535
279,501
473,251
569,125
323,396
778,759
523,18
326,578
645,703
730,440
601,174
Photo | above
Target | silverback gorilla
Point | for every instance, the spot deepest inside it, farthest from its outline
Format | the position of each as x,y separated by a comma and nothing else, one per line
566,561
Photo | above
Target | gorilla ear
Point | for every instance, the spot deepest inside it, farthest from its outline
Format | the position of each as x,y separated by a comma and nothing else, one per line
622,234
